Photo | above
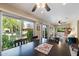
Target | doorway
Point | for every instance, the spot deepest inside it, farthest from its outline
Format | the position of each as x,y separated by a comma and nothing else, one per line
44,33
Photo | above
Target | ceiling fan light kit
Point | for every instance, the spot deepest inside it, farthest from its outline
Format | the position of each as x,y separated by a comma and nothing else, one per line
41,5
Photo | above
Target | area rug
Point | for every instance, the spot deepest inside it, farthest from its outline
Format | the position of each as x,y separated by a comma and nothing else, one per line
44,48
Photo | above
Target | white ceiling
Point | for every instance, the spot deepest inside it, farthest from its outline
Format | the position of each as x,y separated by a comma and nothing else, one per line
58,11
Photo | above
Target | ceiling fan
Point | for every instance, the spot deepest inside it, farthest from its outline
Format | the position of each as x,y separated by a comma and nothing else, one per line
41,5
61,22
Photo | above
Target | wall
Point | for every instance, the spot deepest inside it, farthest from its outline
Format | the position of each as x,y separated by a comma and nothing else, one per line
74,27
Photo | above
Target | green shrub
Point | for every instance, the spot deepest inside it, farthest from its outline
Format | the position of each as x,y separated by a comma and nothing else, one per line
6,42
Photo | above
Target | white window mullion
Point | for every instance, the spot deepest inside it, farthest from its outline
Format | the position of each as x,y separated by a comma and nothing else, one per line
1,16
21,28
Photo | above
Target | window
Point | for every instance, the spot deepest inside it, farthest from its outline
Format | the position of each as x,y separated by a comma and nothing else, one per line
27,30
11,31
60,29
15,29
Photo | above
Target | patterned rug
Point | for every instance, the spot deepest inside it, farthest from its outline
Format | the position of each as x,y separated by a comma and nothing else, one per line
44,48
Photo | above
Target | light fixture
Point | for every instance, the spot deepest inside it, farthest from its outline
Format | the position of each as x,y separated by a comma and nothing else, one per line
41,5
38,5
59,22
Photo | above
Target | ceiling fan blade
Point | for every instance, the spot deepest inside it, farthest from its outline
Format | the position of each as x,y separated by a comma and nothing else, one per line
47,7
34,8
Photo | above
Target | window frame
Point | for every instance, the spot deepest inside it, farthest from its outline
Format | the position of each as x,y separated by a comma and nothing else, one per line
12,16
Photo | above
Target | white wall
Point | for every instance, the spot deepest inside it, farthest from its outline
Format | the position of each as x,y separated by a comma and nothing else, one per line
74,26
